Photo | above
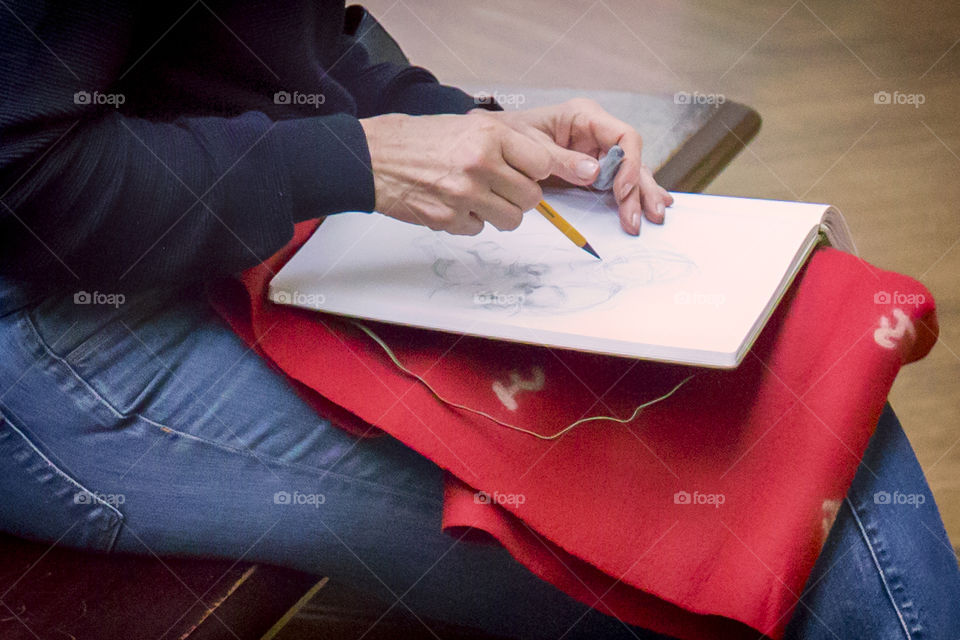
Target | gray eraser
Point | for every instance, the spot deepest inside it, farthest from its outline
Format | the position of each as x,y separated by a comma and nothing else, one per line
609,164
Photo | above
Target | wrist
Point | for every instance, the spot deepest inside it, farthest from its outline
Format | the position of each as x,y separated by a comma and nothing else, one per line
382,135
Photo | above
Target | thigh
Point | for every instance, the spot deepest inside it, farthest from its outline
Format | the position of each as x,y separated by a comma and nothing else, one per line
887,569
182,441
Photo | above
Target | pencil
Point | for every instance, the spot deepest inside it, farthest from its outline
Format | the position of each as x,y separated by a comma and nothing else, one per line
557,220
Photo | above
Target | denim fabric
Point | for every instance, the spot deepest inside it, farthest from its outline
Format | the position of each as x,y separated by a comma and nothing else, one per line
887,569
149,427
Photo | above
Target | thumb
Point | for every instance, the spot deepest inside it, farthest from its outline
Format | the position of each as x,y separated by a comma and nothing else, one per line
573,166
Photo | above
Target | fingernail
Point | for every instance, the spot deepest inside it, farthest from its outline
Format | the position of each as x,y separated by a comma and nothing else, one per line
660,209
636,220
586,168
625,191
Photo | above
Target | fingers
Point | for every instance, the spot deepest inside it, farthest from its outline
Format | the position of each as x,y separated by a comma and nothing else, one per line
667,198
513,184
654,207
573,166
498,211
490,178
465,225
637,192
501,201
526,155
467,213
627,191
504,185
631,186
630,212
516,188
640,196
454,173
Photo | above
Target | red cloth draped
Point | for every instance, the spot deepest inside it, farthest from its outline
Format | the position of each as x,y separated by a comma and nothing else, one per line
702,517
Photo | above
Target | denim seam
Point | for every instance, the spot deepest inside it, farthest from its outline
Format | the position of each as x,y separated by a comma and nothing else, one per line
218,445
119,516
49,351
323,473
880,571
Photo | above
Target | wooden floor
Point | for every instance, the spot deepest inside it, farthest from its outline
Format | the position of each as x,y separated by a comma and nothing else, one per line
811,68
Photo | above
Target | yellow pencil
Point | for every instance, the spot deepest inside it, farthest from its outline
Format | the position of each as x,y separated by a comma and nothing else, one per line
557,220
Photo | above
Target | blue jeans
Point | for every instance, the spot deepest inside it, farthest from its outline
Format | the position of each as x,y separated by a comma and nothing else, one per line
149,427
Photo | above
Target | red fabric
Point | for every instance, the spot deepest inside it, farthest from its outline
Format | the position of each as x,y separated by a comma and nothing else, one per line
597,512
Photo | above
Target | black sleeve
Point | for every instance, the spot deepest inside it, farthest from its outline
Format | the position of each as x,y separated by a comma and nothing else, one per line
392,88
126,202
111,200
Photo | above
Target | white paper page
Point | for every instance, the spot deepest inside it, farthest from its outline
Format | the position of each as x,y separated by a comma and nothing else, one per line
688,290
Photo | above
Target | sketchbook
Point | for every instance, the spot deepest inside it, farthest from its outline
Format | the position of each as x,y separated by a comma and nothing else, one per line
696,290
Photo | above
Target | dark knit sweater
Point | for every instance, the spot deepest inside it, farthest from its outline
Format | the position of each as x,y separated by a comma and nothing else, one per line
146,143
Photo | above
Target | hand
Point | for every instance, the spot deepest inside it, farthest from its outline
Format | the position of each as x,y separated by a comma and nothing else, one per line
579,129
453,173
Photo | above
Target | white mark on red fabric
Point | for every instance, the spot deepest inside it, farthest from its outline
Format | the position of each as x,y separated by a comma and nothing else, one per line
507,393
887,336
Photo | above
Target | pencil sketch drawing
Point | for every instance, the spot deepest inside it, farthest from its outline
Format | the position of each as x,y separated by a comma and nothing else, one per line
548,280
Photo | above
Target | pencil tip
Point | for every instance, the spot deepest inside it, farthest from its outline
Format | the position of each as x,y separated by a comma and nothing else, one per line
589,249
